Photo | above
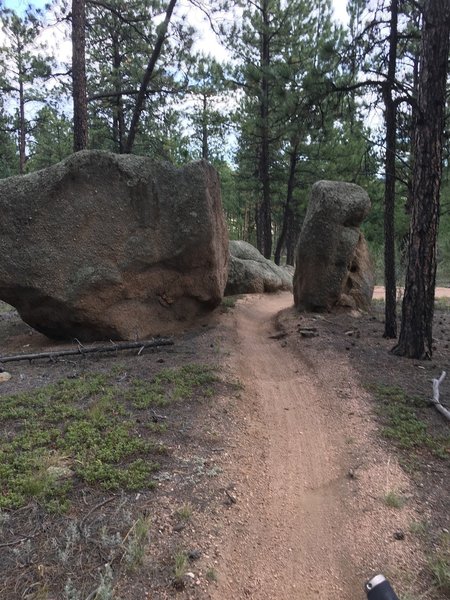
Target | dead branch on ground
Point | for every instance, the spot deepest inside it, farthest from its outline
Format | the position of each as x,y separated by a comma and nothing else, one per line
436,383
114,347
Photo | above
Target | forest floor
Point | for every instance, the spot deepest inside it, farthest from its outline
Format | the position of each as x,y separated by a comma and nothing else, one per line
291,457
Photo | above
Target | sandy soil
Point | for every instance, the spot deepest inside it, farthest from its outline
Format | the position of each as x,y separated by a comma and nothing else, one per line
310,520
440,292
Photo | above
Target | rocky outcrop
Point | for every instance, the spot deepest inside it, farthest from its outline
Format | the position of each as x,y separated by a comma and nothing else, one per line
333,266
104,246
251,273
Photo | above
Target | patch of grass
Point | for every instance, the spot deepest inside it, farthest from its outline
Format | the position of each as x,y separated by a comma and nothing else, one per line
394,500
403,423
439,565
377,302
80,420
137,541
211,574
180,567
442,304
86,430
229,302
440,568
419,528
184,513
173,385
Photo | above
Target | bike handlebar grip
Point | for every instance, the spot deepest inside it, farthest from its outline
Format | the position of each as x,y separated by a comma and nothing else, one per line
379,588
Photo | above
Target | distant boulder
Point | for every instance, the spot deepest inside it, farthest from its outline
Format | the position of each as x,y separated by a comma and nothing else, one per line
251,273
105,246
333,265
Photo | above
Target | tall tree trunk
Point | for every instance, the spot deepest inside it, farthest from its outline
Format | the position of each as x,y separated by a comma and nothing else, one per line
414,93
22,129
415,339
390,116
293,158
118,115
264,219
140,100
205,149
80,118
293,231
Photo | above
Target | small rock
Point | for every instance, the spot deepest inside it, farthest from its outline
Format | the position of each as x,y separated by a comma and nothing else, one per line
351,474
194,554
60,472
5,376
278,336
231,499
306,333
399,534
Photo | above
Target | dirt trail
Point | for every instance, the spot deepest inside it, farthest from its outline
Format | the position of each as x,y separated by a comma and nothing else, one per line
293,532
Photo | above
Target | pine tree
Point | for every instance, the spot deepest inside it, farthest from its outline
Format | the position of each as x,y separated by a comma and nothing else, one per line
23,69
416,340
287,53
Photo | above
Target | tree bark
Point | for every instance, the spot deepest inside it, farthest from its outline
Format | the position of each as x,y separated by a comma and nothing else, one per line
390,117
415,339
118,114
205,148
140,100
293,159
264,220
80,115
22,129
293,230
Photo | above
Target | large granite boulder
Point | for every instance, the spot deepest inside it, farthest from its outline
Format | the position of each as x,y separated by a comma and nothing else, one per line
251,273
105,246
333,266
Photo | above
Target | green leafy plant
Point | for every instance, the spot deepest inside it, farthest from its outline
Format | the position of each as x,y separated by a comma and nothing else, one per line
85,429
173,385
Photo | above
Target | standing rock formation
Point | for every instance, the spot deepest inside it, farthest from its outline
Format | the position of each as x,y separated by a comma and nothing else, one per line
105,246
251,273
333,266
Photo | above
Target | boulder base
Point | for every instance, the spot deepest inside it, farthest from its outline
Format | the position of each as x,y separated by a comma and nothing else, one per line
333,266
104,246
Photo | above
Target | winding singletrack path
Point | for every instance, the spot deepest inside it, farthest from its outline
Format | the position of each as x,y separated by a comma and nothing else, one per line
289,539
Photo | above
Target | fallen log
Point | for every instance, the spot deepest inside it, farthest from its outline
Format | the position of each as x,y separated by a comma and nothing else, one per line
80,349
436,383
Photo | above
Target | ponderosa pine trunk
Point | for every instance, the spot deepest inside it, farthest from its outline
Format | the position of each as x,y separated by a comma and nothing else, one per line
264,217
415,339
22,129
80,115
287,216
118,113
205,145
390,118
